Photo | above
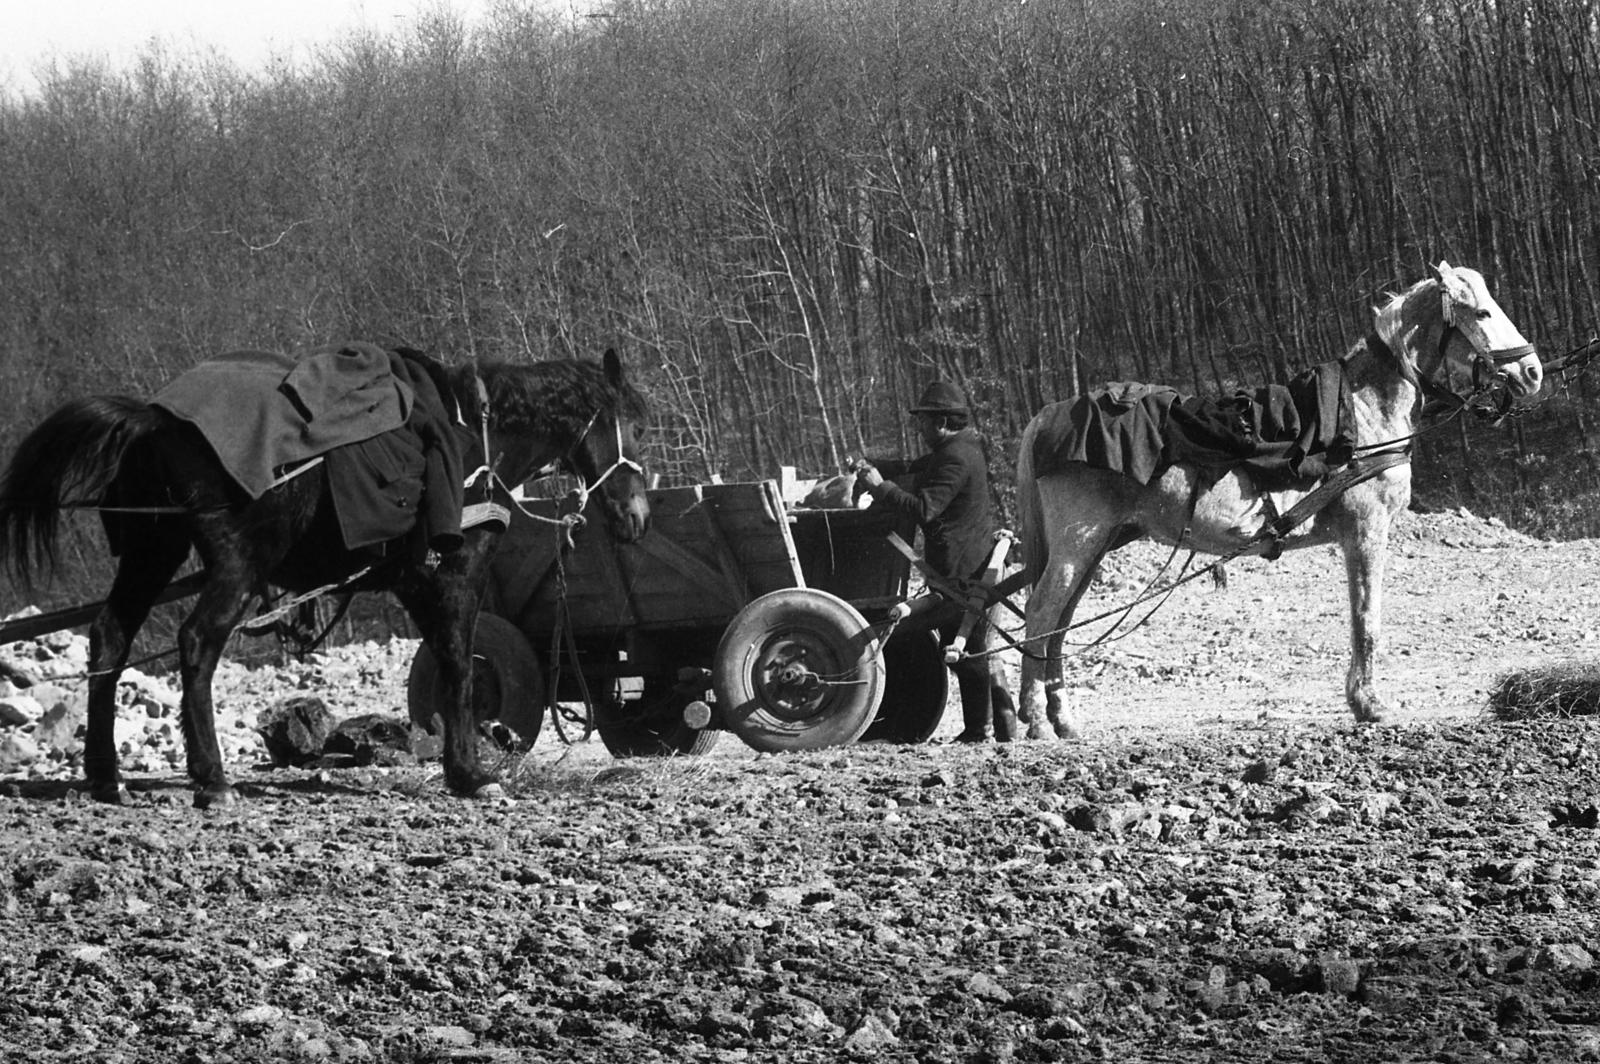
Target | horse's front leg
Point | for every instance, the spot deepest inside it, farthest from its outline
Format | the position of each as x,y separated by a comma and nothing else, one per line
452,649
201,640
444,606
1365,552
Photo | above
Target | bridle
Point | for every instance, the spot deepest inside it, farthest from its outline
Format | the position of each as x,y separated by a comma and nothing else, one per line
622,461
566,460
1486,367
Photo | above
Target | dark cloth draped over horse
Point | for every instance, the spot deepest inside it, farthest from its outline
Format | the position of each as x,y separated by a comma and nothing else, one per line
1282,436
385,420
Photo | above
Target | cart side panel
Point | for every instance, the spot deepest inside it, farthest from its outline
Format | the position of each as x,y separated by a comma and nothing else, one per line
682,574
710,549
752,522
847,553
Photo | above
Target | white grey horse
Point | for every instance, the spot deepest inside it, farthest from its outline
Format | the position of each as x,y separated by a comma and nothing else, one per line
1072,515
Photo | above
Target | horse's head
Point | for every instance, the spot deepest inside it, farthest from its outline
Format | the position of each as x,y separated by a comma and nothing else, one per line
1473,329
606,458
583,417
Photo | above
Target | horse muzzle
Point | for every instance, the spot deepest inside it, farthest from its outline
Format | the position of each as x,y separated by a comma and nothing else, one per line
630,517
1518,368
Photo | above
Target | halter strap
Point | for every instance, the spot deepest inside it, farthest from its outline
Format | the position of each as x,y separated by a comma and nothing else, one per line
1508,355
1503,357
1442,393
585,489
623,461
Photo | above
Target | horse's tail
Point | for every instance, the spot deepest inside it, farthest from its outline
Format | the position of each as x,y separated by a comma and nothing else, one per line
73,454
1030,513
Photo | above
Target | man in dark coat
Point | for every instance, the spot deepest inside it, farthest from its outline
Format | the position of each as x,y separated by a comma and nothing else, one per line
949,499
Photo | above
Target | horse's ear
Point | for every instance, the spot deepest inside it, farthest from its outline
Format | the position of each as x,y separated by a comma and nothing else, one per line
613,366
1457,287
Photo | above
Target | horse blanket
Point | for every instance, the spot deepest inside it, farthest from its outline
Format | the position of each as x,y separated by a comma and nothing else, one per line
393,450
1283,436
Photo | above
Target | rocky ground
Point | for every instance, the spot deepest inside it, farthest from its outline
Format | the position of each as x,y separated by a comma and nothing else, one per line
1228,869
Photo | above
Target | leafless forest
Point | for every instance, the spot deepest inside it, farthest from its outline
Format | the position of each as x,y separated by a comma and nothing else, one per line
790,215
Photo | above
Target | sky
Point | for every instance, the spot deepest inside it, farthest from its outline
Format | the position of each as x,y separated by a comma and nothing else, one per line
248,31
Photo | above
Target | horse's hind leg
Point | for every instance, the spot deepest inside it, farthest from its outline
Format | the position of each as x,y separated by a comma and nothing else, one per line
1051,603
146,568
1365,553
201,639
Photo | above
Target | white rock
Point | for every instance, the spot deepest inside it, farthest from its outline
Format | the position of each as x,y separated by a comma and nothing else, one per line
131,733
17,751
259,1016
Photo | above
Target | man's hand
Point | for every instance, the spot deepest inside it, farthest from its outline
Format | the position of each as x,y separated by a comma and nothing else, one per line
867,473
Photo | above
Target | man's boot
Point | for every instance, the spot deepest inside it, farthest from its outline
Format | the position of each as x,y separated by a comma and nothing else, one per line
972,730
975,707
1005,716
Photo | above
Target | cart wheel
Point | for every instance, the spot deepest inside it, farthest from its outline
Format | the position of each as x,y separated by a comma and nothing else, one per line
507,683
914,692
652,726
797,669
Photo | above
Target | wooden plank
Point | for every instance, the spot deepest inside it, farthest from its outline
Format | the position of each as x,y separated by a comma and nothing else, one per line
775,501
755,528
729,562
669,612
685,570
608,577
844,552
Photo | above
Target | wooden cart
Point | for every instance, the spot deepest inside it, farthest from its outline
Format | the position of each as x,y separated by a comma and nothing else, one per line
734,613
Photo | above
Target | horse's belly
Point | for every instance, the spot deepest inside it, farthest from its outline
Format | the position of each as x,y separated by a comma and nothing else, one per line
1223,517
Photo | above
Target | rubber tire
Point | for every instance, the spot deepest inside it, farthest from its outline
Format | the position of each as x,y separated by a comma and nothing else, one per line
507,682
835,641
915,692
652,726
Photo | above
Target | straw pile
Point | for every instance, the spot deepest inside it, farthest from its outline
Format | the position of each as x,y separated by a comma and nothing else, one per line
1567,689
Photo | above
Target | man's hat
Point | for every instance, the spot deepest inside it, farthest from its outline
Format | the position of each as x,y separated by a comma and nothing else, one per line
941,397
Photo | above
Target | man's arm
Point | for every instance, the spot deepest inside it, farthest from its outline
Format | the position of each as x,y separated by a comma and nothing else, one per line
945,476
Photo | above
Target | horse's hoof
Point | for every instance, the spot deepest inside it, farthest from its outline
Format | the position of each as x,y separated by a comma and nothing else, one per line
489,792
220,797
1368,712
111,794
1040,734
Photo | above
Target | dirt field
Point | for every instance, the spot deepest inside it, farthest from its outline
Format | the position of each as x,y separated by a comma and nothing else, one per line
1228,869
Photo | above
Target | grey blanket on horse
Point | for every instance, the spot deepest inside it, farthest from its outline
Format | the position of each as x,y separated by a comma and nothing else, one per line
1283,436
379,417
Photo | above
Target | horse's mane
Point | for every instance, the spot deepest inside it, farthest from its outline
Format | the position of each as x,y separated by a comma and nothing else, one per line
559,398
1388,319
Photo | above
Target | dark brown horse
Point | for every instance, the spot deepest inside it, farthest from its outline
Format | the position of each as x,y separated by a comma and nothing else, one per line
582,415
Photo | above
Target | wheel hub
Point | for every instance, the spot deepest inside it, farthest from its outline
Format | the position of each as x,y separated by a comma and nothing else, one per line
790,686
